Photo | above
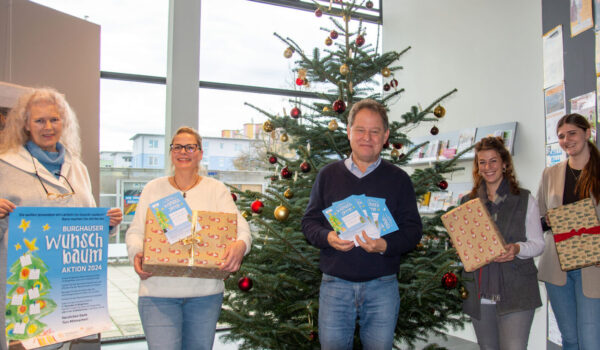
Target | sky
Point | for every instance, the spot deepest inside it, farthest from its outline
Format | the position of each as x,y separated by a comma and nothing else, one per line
237,46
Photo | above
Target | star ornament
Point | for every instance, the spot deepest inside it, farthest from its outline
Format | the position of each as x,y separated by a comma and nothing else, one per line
24,225
30,244
46,227
18,246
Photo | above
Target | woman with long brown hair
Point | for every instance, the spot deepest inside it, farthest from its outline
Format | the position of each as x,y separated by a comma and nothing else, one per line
575,294
504,294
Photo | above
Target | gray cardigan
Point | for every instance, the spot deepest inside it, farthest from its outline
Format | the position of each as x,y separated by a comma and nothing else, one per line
550,195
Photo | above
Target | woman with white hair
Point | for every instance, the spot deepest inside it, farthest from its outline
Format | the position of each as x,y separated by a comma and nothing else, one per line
40,165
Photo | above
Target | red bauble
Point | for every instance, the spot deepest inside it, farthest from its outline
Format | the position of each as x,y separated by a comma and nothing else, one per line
434,130
234,197
394,83
318,13
398,145
305,167
274,178
257,206
295,112
286,173
360,40
312,336
333,34
386,87
369,4
245,284
443,184
272,159
339,106
449,280
386,145
299,81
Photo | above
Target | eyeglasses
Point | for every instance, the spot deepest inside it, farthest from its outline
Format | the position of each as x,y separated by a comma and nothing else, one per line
191,148
50,195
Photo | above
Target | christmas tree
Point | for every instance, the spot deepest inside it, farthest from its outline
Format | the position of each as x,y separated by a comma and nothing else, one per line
275,302
26,302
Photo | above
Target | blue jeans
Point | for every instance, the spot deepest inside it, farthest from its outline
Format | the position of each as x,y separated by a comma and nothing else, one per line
180,323
578,316
375,303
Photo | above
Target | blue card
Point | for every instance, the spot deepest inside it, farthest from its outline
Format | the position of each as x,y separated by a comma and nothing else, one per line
174,217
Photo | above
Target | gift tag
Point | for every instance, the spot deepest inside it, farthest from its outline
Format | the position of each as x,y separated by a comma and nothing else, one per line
34,309
25,260
17,299
34,274
34,293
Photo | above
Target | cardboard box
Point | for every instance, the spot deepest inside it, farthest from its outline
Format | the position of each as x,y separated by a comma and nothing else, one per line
474,234
200,255
576,231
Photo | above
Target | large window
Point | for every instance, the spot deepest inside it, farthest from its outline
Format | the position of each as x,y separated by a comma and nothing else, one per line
241,61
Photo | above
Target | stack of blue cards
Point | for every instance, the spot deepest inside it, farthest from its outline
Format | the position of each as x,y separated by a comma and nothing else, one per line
357,213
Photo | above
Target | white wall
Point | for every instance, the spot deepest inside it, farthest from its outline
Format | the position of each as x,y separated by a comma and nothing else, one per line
491,51
43,47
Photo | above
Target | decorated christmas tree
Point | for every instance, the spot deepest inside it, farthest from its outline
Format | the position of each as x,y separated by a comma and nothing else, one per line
26,303
273,301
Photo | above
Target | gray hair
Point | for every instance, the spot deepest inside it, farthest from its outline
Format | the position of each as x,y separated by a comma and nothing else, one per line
371,105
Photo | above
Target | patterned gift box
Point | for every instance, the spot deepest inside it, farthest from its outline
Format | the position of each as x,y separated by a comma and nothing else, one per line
200,255
576,230
474,234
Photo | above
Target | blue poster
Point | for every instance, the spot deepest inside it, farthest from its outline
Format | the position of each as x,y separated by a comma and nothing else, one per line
56,274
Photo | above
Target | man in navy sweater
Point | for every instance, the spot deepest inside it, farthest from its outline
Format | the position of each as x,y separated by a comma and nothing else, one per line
360,282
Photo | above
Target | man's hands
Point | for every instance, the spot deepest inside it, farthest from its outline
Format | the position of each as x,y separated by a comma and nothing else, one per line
6,207
338,243
378,245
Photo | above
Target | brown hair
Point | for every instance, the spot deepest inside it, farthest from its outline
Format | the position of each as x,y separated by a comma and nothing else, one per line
495,143
371,105
589,181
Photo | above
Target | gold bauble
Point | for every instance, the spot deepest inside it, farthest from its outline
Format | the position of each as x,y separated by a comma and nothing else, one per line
328,41
281,213
326,109
464,295
283,137
245,214
439,111
287,53
386,72
289,194
333,125
268,126
395,153
344,69
301,73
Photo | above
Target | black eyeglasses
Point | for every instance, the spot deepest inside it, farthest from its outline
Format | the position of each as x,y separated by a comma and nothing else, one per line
50,195
190,148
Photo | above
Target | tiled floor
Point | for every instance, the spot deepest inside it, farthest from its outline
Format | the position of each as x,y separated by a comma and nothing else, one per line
122,304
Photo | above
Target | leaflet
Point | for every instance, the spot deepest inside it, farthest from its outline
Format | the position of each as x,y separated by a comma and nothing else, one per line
174,216
357,213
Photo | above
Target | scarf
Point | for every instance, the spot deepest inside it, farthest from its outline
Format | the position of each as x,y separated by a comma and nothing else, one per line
52,161
490,275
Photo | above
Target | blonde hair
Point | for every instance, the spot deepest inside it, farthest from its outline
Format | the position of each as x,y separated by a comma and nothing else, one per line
494,143
14,134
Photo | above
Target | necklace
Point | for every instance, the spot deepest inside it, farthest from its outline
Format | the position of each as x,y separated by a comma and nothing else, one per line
189,188
576,176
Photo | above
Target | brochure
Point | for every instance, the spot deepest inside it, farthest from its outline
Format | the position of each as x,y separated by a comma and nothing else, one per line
174,217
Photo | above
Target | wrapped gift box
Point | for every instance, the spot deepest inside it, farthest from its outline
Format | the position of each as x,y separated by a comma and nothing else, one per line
199,255
474,234
576,230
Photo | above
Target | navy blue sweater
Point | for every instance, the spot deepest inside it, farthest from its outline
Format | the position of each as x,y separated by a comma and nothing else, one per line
335,182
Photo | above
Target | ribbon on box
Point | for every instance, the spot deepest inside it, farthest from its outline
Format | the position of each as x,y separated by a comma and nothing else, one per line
586,230
193,239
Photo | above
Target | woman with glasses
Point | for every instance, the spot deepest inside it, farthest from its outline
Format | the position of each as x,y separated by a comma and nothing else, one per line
182,312
504,294
40,165
574,295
